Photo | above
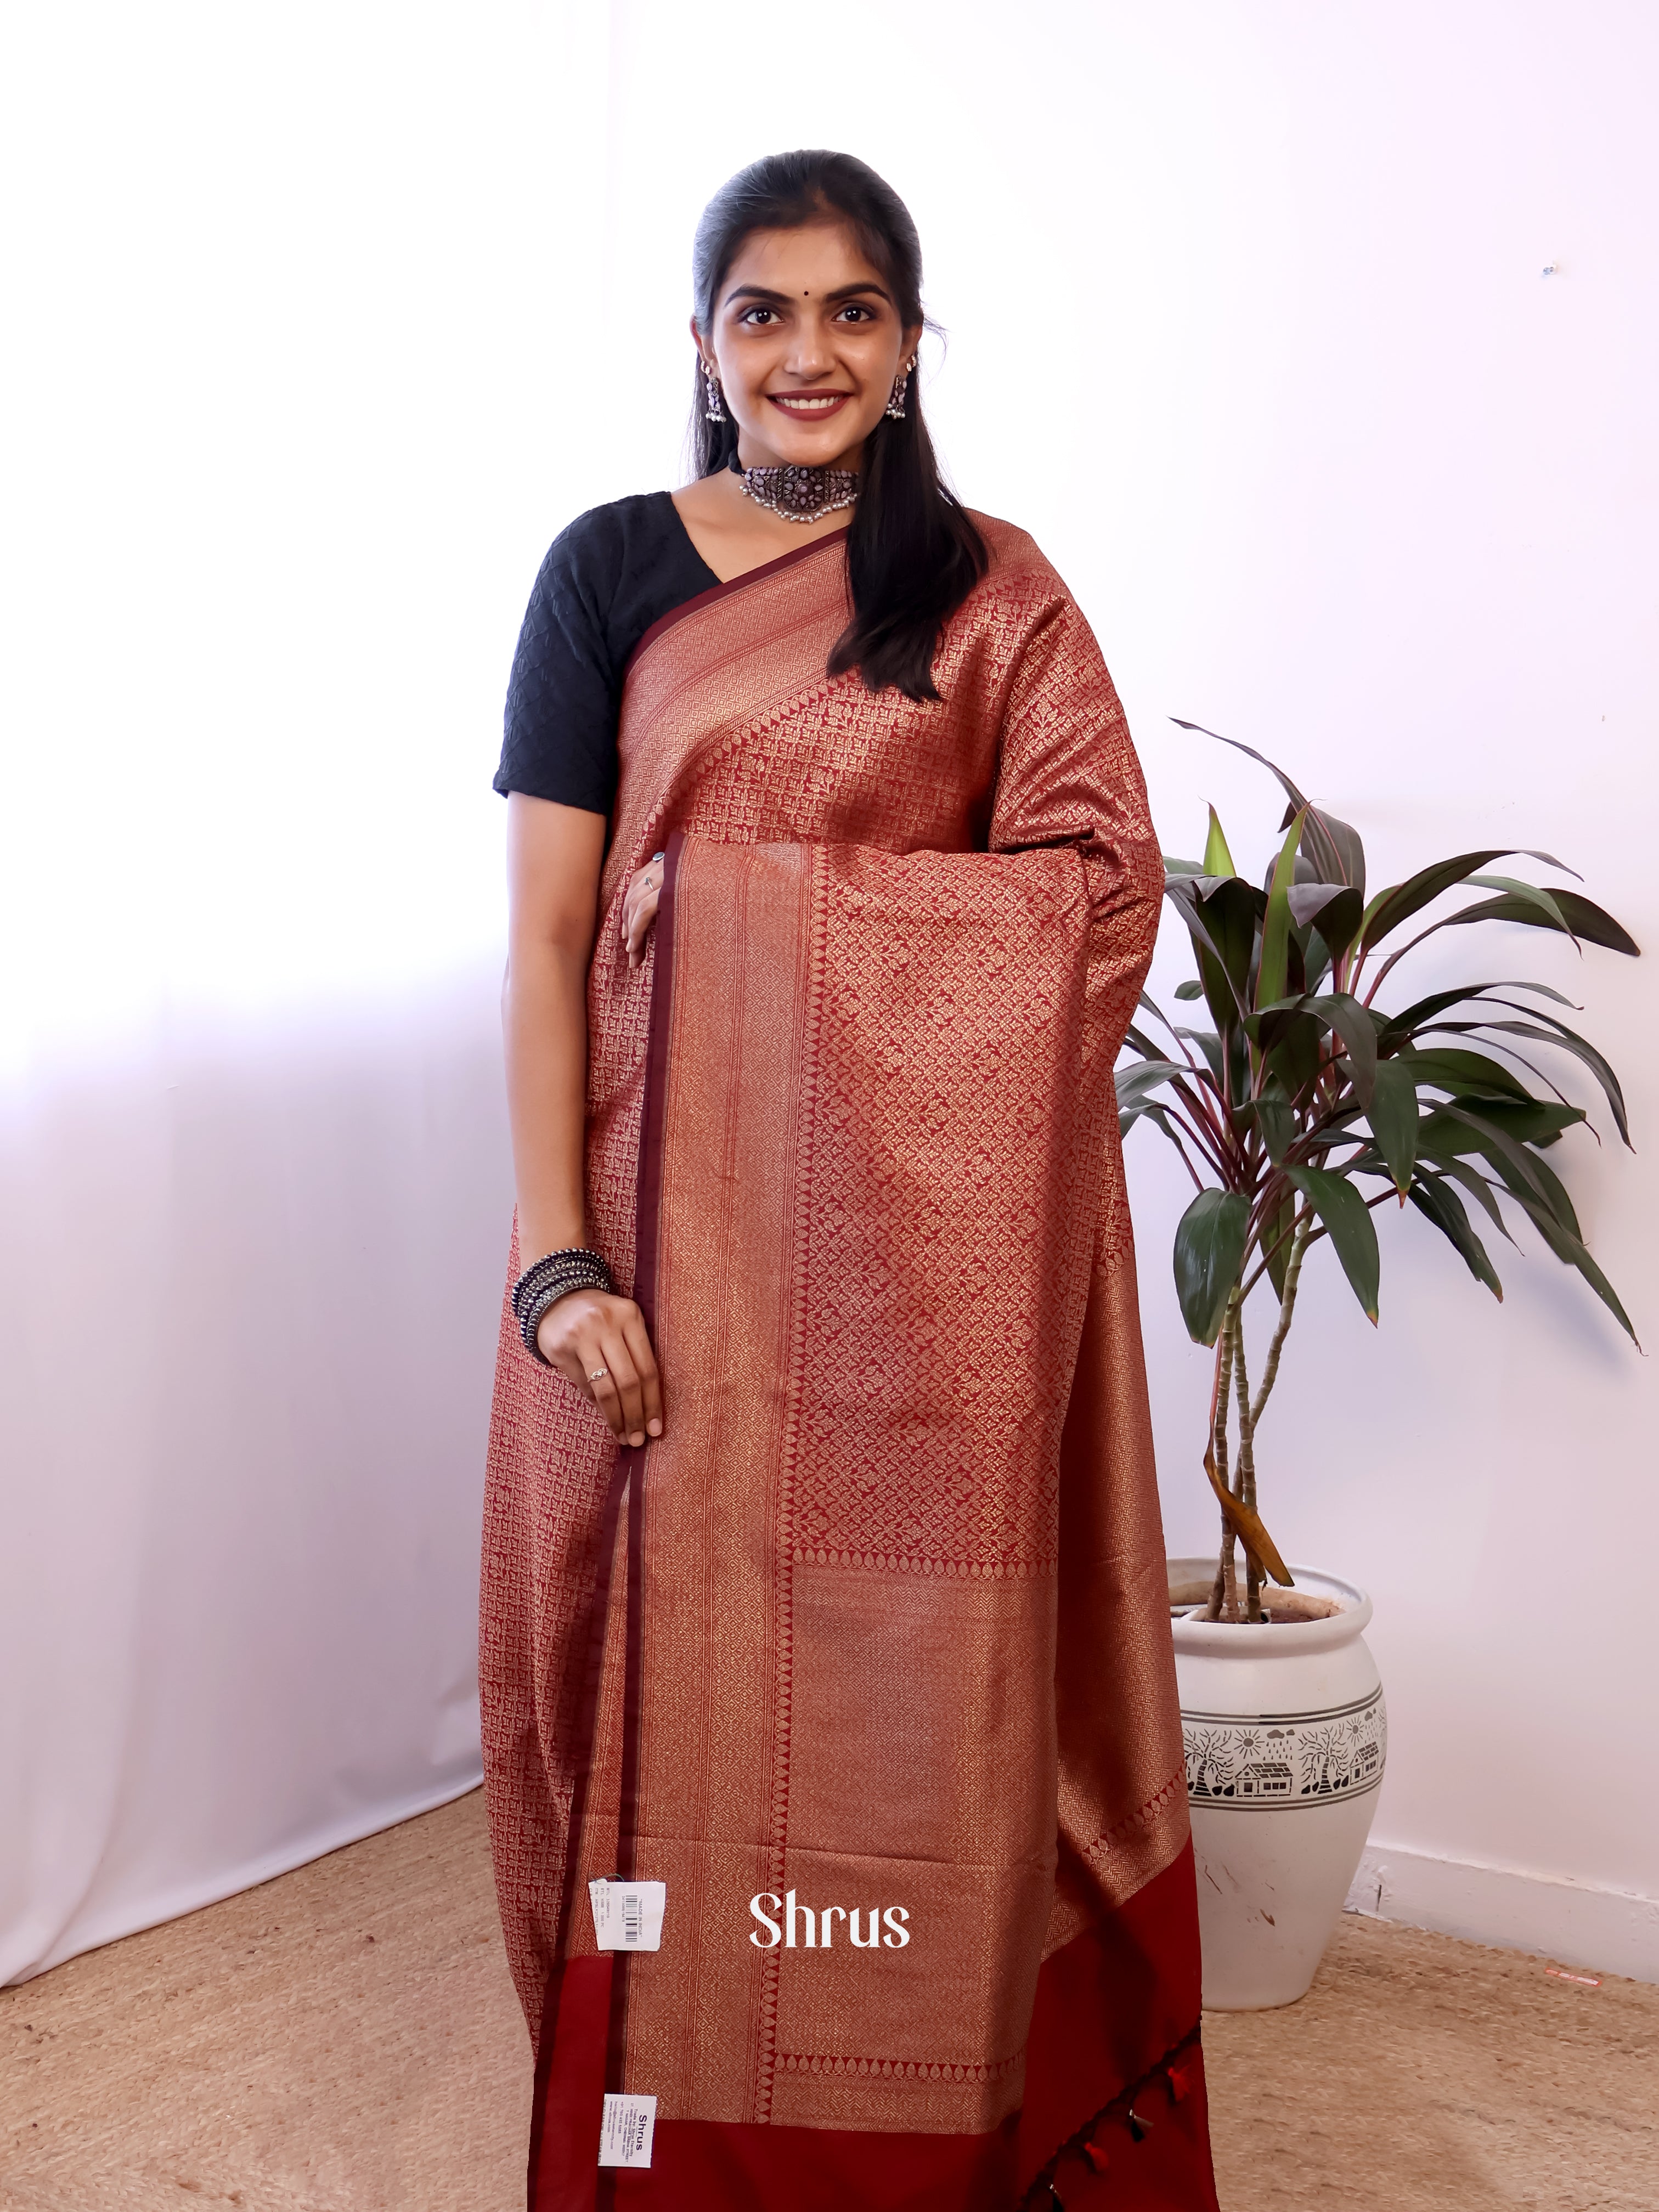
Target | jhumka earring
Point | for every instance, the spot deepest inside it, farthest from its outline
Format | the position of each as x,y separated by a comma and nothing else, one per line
901,386
714,411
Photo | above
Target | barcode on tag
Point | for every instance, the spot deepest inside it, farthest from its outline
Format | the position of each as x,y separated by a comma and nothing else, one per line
628,1915
626,2130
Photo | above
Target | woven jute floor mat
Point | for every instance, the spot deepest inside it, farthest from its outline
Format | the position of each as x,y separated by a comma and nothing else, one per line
346,2039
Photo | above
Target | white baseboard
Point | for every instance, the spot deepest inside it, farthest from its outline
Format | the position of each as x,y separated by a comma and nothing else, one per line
1610,1931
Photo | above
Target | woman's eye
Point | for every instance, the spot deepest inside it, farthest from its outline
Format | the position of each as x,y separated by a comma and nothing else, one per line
757,315
858,315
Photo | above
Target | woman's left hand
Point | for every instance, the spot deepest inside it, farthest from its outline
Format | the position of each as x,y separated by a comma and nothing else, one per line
640,907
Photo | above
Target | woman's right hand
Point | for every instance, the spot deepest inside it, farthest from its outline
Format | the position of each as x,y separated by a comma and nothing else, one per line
600,1344
640,902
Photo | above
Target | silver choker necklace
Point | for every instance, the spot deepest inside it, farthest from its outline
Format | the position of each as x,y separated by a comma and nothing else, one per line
799,494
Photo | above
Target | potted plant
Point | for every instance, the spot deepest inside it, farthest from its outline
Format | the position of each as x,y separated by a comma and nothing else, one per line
1310,1101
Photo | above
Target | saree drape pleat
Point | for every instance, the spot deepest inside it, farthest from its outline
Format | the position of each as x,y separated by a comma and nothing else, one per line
868,1658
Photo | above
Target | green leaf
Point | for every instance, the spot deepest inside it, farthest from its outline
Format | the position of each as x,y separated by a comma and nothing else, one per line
1581,916
1209,1250
1397,1027
1392,1116
1333,909
1272,970
1338,1011
1548,1207
1536,1122
1354,1026
1296,967
1446,1210
1218,861
1275,1116
1332,848
1292,1048
1308,900
1540,1121
1400,901
1229,909
1555,1196
1570,1248
1174,867
1216,990
1531,896
1190,989
1337,852
1147,1112
1464,1074
1342,1214
1450,1131
1288,787
1512,1052
1546,1029
1338,1129
1479,1189
1210,1045
1138,1083
1315,961
1221,920
1267,1025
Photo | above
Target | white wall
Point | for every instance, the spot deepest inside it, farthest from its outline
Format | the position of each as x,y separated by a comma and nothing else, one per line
345,310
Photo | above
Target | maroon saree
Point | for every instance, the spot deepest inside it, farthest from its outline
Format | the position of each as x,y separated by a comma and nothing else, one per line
870,1650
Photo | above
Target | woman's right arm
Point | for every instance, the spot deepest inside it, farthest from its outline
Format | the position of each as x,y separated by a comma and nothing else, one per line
554,854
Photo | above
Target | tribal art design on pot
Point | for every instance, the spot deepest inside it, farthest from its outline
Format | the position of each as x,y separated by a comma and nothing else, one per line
1274,1762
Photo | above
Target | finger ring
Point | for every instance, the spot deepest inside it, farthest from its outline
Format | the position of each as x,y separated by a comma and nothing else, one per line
656,856
598,1375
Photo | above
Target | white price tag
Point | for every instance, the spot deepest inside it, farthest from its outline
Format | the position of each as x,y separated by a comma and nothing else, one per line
628,1915
626,2130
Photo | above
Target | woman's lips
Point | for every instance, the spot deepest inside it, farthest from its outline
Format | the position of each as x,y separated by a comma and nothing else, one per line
810,406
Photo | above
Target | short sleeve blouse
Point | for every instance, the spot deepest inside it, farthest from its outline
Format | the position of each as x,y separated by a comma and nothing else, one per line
606,579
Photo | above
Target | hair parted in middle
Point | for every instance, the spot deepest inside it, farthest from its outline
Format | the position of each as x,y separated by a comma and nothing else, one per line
913,551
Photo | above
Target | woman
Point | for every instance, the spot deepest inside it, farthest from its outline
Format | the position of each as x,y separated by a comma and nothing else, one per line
824,1579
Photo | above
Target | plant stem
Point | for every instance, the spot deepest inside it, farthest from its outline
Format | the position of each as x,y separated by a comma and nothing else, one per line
1207,1129
1244,1489
1222,1590
1286,1308
1199,1183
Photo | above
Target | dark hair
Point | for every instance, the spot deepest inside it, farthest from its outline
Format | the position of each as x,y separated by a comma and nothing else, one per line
912,553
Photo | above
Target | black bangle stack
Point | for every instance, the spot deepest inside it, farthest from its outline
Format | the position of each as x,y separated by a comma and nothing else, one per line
551,1278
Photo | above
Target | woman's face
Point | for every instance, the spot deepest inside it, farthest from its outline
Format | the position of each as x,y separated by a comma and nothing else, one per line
806,342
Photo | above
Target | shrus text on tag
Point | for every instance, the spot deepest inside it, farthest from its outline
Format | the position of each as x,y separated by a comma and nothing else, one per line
626,2130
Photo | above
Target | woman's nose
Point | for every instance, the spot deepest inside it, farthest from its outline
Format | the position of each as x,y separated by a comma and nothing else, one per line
810,355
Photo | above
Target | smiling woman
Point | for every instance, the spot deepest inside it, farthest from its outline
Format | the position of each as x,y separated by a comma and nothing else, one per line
822,1549
808,278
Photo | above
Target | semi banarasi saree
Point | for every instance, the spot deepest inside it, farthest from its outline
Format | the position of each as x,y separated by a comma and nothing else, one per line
867,1659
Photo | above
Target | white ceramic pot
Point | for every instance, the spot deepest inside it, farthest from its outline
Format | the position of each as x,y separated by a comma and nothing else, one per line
1286,1735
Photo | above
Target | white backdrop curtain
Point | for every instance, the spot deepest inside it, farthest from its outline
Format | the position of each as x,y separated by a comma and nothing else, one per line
279,427
331,316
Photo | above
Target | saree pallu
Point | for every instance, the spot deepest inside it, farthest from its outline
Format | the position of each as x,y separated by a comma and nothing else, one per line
867,1659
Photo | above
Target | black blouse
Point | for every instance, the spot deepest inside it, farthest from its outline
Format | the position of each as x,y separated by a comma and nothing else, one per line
606,579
